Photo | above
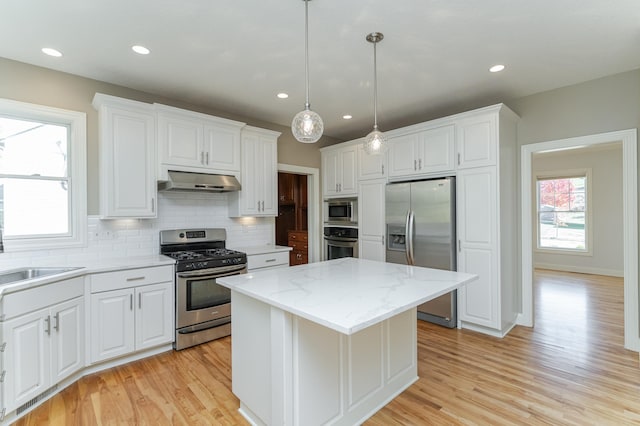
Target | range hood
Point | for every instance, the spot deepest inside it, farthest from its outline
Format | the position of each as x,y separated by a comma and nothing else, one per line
200,182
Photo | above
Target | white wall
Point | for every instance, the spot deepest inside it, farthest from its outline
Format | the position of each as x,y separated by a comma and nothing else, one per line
606,210
110,239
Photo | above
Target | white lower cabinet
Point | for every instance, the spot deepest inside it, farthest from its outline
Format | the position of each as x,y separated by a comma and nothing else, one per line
137,314
371,220
44,346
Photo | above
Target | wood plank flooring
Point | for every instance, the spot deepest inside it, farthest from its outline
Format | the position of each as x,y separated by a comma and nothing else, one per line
570,369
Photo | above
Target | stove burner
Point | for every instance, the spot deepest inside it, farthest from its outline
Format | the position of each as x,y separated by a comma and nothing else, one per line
185,255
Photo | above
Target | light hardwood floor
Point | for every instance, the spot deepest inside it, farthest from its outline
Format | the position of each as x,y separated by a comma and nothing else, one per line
570,369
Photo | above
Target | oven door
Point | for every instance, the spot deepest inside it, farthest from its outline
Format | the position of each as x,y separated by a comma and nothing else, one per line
336,248
199,298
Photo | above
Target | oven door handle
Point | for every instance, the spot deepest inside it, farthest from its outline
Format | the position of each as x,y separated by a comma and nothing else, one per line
223,271
343,239
341,243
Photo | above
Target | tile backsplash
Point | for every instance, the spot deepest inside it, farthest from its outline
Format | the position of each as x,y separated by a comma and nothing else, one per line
109,239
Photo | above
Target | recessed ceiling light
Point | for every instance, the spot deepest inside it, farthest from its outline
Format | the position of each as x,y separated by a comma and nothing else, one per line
140,49
51,52
347,117
282,95
496,68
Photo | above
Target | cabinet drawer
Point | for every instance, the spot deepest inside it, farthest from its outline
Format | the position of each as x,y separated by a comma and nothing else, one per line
267,260
22,302
130,278
298,245
298,236
297,257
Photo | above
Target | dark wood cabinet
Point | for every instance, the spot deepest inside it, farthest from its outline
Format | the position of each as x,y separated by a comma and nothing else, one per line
292,222
299,240
287,186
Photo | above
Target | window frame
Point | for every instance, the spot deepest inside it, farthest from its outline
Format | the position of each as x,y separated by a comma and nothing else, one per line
76,170
588,223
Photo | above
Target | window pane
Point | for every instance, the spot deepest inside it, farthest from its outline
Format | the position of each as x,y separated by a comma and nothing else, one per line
33,148
34,207
561,213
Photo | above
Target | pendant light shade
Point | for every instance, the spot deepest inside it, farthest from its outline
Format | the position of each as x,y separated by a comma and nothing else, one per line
375,142
307,126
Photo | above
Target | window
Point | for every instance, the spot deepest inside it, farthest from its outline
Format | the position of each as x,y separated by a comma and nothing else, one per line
563,219
42,176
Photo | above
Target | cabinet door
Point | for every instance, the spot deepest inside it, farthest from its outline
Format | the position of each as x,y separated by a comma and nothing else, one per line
477,254
269,176
222,148
348,171
67,345
127,163
330,168
27,364
154,315
372,249
403,155
182,140
370,166
477,141
437,150
371,220
112,324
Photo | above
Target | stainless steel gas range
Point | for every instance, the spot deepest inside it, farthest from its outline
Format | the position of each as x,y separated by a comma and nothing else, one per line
203,308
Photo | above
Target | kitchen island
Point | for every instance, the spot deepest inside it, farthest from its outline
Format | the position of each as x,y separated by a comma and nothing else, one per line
329,342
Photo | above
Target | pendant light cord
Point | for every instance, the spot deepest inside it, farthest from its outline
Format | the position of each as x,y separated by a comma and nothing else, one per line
306,51
375,87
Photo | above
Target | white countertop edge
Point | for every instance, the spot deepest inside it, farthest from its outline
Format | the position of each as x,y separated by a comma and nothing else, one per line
254,250
105,265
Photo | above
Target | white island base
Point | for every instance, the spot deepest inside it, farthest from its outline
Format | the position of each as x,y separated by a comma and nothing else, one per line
287,370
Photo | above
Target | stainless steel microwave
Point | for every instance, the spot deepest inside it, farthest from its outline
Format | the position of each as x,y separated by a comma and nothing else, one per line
341,211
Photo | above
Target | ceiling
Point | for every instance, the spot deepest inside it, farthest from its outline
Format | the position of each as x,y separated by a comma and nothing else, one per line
236,55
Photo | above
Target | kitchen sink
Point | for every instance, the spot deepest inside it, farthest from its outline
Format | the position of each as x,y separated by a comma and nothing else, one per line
21,274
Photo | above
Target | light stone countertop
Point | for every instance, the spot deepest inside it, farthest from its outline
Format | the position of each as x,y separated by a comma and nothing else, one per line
254,250
348,294
105,265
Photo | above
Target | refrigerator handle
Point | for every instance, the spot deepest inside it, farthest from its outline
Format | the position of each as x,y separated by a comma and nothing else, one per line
409,237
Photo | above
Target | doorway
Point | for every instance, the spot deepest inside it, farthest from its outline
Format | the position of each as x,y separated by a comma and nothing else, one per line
629,223
299,211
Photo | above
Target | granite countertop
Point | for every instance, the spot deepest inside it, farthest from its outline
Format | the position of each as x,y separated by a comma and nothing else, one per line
348,294
105,265
253,250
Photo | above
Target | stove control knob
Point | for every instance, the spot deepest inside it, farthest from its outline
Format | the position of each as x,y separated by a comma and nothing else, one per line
181,235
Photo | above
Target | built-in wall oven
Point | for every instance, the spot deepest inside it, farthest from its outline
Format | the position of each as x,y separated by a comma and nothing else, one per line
340,242
203,307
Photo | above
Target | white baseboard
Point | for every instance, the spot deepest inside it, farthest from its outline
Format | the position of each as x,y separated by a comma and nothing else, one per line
580,269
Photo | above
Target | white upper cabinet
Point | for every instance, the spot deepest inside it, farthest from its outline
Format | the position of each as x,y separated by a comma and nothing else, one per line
259,177
423,152
371,166
477,141
191,141
339,171
127,158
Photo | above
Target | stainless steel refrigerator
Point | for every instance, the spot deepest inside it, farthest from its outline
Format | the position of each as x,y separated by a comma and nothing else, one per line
421,231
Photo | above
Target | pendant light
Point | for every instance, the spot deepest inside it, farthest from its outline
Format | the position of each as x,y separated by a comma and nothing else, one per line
375,142
307,126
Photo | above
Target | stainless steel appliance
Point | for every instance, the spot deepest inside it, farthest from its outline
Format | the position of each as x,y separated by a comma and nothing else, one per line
420,220
340,242
341,211
203,308
199,182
